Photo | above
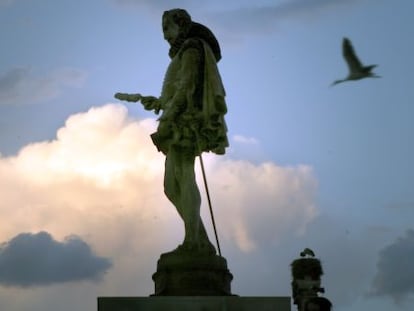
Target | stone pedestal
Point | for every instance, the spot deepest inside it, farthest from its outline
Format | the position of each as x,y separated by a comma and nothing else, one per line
193,281
186,273
218,303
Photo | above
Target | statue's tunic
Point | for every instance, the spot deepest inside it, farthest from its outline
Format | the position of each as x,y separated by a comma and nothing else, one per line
192,100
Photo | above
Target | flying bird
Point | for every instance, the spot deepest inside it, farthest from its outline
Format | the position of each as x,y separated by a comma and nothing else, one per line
357,70
307,251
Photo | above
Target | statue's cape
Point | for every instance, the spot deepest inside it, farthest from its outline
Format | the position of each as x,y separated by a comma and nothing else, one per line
209,132
213,133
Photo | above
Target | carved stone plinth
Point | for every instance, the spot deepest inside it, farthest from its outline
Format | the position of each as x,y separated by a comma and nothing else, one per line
186,273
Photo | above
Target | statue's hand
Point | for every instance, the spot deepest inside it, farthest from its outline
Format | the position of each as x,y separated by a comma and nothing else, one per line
128,97
151,103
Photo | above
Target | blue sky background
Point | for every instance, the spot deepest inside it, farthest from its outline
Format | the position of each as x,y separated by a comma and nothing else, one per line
328,168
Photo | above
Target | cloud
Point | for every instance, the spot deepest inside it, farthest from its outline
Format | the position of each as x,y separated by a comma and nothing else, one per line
400,205
245,140
22,85
395,273
261,204
262,18
37,259
242,16
157,5
247,148
6,2
102,178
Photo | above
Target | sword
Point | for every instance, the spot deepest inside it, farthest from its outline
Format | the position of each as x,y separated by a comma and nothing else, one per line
207,191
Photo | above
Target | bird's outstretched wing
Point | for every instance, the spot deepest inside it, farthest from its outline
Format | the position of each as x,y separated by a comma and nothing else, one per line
349,54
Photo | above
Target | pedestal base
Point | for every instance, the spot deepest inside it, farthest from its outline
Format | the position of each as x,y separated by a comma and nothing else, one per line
229,303
186,273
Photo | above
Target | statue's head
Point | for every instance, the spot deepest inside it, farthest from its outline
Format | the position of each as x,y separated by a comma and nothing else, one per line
175,23
178,26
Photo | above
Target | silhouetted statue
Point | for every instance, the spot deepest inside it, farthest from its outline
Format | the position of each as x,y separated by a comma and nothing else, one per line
192,119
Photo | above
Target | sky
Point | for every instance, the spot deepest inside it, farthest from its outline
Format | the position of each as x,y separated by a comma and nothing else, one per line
309,165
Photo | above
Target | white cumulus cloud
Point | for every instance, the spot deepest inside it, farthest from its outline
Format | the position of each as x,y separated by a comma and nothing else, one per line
101,178
23,85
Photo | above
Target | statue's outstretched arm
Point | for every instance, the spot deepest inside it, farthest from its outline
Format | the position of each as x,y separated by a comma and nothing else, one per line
128,97
149,102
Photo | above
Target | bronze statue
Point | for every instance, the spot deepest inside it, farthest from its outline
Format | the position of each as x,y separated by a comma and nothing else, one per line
192,119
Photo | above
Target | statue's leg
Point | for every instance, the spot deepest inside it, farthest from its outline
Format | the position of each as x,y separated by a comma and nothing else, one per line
181,189
171,186
205,243
196,234
190,200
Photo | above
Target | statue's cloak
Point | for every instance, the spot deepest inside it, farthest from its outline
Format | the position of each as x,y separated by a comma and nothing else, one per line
193,103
